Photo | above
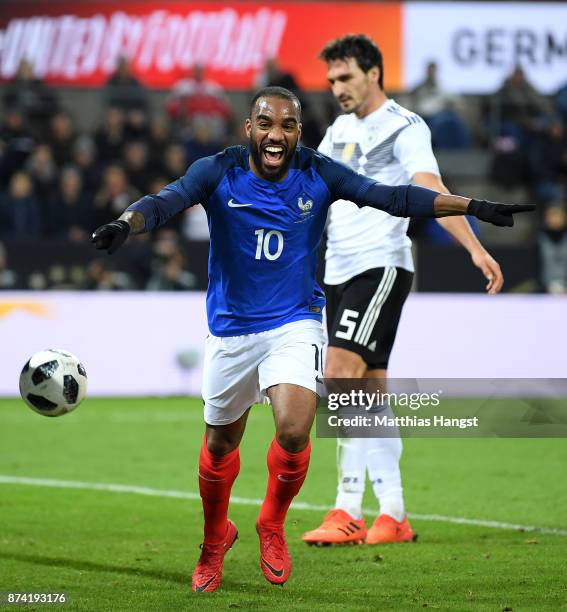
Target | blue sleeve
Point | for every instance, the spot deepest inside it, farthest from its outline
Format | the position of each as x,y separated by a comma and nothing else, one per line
401,201
194,187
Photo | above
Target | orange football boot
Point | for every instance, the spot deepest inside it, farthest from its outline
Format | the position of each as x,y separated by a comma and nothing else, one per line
338,527
386,530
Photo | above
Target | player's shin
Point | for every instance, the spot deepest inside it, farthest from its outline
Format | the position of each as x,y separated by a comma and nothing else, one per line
383,462
287,472
351,468
217,474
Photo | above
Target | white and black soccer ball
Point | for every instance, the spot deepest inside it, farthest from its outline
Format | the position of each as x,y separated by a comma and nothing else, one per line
53,382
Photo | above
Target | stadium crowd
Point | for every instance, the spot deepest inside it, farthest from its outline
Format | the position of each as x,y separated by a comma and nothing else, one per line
58,183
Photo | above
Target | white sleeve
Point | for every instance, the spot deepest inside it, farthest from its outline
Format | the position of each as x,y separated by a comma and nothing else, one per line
326,146
413,149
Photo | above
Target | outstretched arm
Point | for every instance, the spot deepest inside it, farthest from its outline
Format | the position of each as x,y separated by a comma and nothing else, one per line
413,201
145,214
135,220
462,232
111,236
410,200
151,211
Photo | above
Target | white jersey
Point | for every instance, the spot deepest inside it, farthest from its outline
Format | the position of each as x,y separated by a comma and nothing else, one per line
390,145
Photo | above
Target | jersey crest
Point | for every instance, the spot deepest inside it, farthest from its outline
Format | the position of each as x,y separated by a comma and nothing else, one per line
366,161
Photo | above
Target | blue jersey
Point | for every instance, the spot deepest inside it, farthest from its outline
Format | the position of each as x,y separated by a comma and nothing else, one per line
264,235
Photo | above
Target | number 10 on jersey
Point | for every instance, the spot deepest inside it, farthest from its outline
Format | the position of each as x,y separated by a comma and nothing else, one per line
263,245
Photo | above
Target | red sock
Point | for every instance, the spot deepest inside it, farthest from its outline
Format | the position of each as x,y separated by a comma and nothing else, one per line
287,472
217,474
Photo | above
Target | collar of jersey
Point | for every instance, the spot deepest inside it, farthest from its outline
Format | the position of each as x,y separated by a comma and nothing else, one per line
274,184
378,111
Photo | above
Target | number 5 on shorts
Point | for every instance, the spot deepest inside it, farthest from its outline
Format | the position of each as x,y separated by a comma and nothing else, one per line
348,321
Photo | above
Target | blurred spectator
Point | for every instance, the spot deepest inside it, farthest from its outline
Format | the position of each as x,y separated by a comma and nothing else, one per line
44,172
553,250
174,162
170,276
110,137
20,214
509,165
114,196
13,126
159,139
124,91
137,125
522,110
61,137
439,110
84,158
16,144
96,273
58,278
197,98
196,224
526,127
31,97
77,276
561,103
169,273
137,166
8,277
37,281
274,76
72,213
547,161
201,142
100,277
137,259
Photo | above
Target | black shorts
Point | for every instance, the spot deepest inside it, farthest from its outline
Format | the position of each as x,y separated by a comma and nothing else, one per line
363,313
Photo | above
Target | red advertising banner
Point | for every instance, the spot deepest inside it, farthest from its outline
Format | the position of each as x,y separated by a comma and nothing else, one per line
72,43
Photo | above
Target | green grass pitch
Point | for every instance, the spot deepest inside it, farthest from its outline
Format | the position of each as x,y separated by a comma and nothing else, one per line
126,551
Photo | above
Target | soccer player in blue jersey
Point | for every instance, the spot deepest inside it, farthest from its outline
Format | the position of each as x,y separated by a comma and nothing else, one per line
266,205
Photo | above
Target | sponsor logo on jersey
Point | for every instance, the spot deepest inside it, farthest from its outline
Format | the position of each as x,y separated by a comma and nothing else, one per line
233,204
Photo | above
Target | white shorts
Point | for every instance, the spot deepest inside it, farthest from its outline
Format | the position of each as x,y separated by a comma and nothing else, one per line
239,369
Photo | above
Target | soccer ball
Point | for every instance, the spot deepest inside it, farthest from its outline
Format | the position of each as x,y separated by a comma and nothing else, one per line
53,382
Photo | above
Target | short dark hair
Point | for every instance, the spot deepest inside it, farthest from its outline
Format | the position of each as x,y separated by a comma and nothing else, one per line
358,46
275,92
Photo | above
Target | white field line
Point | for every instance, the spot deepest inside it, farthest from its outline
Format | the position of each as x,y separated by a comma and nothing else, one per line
247,501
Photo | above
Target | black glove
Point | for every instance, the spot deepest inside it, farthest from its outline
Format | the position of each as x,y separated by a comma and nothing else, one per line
111,236
497,214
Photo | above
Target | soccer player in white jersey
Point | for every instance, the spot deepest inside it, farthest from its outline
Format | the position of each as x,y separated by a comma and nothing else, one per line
369,272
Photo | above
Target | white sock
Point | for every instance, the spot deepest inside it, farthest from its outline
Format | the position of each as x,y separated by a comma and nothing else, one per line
383,463
351,468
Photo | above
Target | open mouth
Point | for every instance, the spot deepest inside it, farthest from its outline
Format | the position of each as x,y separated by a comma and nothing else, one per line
273,155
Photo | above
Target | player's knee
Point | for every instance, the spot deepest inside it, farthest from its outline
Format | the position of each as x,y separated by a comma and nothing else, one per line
292,438
344,364
332,371
342,370
220,445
